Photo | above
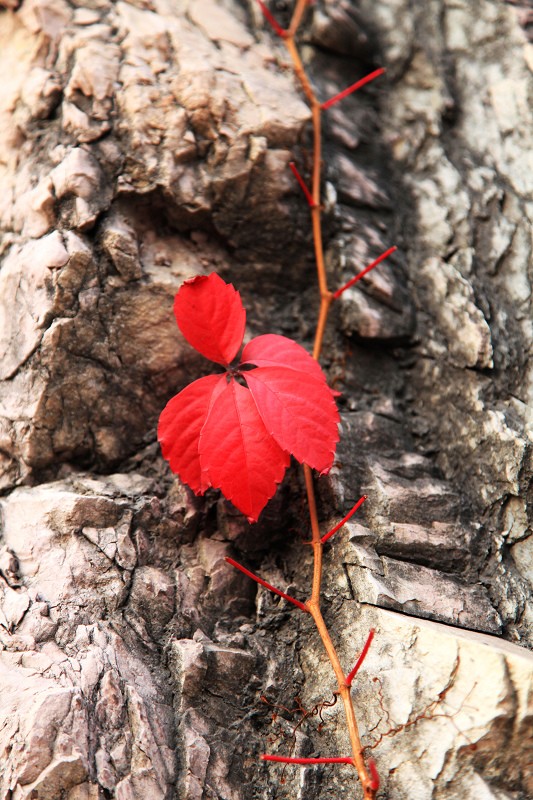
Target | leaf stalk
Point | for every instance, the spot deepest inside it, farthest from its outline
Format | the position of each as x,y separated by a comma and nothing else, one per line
344,520
303,185
272,20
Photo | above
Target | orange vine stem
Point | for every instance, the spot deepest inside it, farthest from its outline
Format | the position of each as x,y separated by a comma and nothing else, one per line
345,519
297,16
269,586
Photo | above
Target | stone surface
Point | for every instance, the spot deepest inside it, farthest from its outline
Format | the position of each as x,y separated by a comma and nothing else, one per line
80,702
143,143
85,283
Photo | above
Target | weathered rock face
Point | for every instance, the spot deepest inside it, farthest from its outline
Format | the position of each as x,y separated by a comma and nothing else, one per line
119,113
458,120
142,143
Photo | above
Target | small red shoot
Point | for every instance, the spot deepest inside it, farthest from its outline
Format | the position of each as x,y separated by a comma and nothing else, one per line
353,88
287,760
345,519
269,586
374,774
272,20
303,185
364,651
208,297
363,272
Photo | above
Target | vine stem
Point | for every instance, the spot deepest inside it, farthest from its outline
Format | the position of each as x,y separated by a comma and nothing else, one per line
366,775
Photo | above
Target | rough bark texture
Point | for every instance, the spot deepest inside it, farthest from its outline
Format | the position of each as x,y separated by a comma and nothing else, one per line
145,142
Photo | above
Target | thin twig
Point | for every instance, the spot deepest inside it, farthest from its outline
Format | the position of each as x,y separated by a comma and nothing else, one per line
351,675
363,272
353,88
272,20
345,519
367,775
267,585
290,760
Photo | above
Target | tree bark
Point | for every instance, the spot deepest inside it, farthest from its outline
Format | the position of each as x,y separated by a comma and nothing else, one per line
143,143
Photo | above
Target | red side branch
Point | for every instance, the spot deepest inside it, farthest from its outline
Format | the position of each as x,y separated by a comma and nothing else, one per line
374,774
364,651
269,586
361,274
339,525
303,185
353,88
272,21
286,760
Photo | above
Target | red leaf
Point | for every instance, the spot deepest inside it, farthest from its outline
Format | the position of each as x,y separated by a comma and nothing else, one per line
239,455
218,433
179,428
272,350
299,412
211,316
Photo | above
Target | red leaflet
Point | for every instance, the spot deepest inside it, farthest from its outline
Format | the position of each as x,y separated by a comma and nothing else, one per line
362,656
211,316
240,457
345,519
237,438
325,760
272,350
179,428
267,585
299,412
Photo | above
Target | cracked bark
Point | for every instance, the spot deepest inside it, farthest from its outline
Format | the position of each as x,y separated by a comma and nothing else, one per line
143,143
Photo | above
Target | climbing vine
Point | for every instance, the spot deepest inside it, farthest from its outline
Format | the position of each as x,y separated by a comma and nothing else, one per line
236,431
